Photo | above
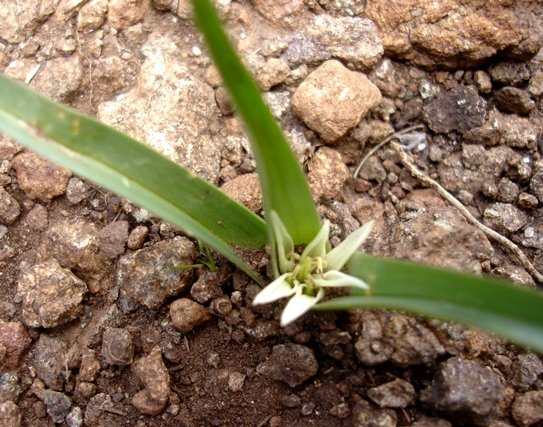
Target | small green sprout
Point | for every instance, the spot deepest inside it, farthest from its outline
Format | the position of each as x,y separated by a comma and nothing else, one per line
304,276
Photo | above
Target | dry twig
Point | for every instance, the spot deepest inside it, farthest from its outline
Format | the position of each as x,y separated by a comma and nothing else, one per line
383,142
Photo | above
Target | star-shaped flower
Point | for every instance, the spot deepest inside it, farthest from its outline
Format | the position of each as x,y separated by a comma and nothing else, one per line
303,277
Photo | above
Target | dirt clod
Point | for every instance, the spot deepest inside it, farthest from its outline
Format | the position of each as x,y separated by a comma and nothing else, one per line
186,314
51,295
148,276
290,363
156,381
38,178
117,346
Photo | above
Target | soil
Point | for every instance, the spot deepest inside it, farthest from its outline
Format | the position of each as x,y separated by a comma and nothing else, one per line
97,329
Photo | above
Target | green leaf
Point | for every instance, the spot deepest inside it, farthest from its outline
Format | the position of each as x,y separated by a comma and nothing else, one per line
508,311
283,183
130,169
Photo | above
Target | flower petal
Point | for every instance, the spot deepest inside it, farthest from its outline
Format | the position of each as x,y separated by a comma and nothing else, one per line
339,256
298,305
317,246
277,289
336,279
283,243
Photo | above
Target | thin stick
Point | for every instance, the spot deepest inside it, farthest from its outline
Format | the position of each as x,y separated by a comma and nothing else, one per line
383,142
425,179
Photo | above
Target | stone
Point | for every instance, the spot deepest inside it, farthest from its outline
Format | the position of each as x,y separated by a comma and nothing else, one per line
272,73
39,178
15,340
74,417
353,40
10,414
19,23
527,408
535,87
125,13
50,361
333,99
170,109
464,387
290,363
506,129
51,295
183,8
395,394
514,100
9,208
510,73
365,414
223,101
92,15
208,285
236,381
147,275
77,190
113,238
246,190
117,347
456,34
527,201
373,170
525,371
76,245
504,218
10,386
137,236
482,81
58,405
399,339
154,376
343,7
186,314
327,174
459,109
431,422
94,410
37,218
59,78
90,367
8,148
283,13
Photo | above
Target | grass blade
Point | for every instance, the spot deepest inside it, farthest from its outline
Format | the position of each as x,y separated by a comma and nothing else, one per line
508,311
283,183
130,169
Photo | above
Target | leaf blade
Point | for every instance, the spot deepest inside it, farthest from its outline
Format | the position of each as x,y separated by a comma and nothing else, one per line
126,167
283,183
511,312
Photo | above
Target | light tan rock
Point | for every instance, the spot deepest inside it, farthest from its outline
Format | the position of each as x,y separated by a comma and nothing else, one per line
333,99
246,190
39,178
327,174
125,13
51,295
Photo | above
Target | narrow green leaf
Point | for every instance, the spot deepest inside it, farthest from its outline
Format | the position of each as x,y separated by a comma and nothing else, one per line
130,169
283,183
508,311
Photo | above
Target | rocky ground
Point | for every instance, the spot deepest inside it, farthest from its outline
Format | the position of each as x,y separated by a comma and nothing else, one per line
96,329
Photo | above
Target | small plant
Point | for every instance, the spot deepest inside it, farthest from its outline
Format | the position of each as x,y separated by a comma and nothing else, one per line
302,262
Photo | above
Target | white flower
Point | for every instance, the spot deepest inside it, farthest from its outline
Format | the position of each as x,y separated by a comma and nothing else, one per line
303,277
